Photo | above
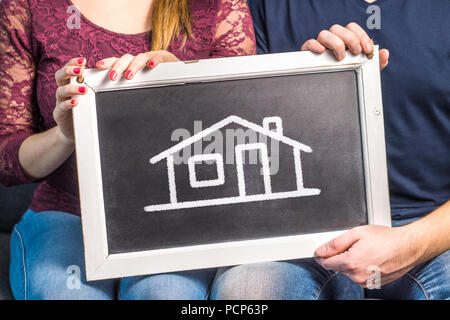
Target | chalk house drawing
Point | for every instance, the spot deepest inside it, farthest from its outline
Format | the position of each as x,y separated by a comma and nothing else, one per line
277,134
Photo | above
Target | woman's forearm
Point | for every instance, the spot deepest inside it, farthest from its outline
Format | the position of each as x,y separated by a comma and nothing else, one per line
42,153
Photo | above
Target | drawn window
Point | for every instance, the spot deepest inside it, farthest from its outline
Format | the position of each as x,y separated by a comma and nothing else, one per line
201,158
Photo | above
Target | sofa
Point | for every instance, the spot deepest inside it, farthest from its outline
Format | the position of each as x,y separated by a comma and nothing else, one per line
14,201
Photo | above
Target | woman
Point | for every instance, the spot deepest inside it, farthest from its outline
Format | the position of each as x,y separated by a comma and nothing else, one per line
41,42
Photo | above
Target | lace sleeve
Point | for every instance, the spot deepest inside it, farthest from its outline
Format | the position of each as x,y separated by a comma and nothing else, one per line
17,72
234,35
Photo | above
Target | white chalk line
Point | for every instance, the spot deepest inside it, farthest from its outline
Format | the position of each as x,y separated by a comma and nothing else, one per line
232,200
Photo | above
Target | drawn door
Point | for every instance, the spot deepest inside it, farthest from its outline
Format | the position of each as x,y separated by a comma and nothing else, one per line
240,151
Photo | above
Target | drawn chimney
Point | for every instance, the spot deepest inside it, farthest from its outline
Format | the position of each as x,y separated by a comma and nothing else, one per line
274,124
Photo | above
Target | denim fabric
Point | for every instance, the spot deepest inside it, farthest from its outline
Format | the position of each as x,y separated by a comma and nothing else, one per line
428,281
192,285
47,262
305,280
288,280
46,251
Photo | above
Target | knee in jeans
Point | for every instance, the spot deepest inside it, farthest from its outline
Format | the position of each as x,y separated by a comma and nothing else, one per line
263,281
47,262
172,286
55,283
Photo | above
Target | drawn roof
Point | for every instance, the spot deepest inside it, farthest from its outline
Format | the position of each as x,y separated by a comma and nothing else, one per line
223,123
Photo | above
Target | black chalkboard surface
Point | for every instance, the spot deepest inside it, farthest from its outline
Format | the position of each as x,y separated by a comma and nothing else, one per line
319,111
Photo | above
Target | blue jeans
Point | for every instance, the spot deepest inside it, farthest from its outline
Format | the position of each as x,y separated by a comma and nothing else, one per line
306,280
47,262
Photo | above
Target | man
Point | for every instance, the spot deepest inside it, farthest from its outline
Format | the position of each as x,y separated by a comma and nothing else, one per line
413,259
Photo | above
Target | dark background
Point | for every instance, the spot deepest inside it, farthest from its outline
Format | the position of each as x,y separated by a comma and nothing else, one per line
319,110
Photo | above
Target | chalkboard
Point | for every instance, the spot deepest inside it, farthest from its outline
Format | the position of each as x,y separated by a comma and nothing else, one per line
228,161
134,127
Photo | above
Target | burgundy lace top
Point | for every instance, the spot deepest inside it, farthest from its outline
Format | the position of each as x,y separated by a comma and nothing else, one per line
35,41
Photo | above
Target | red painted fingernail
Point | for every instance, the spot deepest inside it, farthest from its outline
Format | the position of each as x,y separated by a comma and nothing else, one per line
80,61
113,75
82,89
76,70
100,63
72,101
151,64
129,74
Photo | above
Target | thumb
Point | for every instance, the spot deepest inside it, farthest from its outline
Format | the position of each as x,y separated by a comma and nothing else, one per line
339,244
384,58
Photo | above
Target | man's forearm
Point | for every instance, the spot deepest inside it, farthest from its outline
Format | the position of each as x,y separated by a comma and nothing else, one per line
430,236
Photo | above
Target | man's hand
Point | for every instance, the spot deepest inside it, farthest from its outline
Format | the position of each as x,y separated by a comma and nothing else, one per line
390,249
338,38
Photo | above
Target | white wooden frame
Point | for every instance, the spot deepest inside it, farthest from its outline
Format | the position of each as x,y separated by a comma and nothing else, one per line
100,264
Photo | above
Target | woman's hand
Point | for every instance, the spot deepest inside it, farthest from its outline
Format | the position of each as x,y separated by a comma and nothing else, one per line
361,251
42,153
338,38
129,65
65,98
